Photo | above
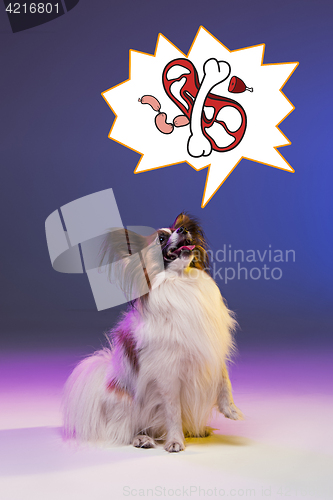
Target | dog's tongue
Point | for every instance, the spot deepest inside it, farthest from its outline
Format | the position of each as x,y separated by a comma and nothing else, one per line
189,248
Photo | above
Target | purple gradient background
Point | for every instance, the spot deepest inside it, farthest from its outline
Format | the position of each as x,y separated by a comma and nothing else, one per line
284,444
55,149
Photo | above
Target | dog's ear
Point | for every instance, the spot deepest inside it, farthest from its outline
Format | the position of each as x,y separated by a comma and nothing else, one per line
130,261
201,259
178,221
121,243
114,247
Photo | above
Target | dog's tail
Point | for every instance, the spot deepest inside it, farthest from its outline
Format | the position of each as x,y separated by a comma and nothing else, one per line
84,394
93,412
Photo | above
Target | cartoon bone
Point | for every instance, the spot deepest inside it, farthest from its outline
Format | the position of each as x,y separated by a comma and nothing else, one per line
214,72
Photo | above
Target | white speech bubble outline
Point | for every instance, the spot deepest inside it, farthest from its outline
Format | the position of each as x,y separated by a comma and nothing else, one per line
134,128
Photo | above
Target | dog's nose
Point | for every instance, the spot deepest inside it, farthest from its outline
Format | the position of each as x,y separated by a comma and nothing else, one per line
182,230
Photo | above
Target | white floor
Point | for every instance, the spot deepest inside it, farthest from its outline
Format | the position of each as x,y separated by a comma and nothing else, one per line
282,450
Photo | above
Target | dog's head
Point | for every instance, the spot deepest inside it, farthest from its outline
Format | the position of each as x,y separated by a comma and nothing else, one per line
183,244
134,261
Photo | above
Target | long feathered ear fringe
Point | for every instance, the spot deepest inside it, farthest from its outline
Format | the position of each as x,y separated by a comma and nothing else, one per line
192,224
131,261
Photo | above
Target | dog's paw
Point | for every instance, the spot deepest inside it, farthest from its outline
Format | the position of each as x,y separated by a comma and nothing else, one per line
231,411
174,446
143,441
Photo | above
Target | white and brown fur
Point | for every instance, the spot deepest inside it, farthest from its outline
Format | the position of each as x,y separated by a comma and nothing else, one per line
166,366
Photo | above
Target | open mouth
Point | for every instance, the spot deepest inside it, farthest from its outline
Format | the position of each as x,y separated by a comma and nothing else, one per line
187,249
181,250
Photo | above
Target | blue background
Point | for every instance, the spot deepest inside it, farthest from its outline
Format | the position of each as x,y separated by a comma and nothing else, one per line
55,149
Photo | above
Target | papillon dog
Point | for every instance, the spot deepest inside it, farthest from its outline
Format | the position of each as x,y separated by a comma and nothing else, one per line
165,368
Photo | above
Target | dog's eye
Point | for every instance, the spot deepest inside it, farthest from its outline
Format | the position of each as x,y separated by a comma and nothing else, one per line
161,238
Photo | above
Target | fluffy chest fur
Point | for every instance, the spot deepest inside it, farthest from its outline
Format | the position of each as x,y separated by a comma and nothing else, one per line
186,309
181,332
183,339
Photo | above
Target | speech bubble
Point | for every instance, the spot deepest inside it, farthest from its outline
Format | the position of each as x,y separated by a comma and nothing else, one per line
209,108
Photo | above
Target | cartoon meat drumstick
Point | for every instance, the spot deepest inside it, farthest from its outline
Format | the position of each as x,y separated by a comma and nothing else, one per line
237,86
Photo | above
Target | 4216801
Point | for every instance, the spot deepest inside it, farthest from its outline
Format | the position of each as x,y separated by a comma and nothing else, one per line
32,8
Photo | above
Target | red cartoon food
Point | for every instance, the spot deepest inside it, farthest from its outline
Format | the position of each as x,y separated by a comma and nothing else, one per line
181,83
237,86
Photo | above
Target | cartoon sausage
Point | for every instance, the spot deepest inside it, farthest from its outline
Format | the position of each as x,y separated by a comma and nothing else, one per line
181,121
162,125
152,101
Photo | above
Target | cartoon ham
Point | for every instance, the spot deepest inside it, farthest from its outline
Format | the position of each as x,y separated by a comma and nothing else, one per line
237,86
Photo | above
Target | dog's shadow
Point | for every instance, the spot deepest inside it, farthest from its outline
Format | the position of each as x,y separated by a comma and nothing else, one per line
42,449
218,440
